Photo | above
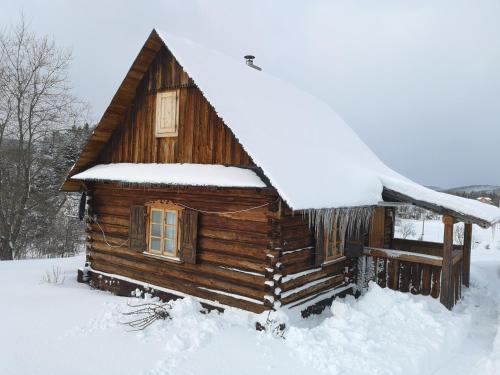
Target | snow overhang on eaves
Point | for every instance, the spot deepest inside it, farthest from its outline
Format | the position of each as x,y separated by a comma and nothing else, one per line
173,174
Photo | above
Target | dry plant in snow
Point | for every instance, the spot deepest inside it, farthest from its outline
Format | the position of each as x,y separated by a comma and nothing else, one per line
56,276
145,314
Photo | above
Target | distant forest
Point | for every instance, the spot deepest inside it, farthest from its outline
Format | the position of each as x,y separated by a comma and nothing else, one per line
477,191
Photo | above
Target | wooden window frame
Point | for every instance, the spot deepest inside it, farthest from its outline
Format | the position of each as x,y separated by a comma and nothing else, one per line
159,133
164,207
333,237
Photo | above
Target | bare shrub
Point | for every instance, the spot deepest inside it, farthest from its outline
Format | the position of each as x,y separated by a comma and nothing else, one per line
458,235
56,276
272,326
407,229
145,314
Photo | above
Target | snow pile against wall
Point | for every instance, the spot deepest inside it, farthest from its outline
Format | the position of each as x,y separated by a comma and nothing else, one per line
310,155
383,332
173,174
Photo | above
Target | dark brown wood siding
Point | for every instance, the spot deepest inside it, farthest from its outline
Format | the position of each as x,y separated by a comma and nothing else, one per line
296,255
203,137
232,249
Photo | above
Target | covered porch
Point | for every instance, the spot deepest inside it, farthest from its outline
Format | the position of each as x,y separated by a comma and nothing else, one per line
419,267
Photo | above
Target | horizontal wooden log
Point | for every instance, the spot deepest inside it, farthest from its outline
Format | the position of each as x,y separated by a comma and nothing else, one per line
211,269
179,276
299,255
322,272
402,256
234,235
330,283
224,199
182,288
231,261
420,247
210,191
244,250
297,243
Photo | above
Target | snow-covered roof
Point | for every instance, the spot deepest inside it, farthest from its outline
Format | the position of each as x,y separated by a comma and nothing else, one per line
310,155
173,174
420,195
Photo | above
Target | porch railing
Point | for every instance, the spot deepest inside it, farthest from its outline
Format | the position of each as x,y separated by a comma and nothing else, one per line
409,271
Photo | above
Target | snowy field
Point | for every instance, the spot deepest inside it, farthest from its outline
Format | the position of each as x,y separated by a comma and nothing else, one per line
67,328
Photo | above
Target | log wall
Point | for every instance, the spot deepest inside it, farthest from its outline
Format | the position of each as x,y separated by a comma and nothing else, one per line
297,278
232,251
203,137
272,249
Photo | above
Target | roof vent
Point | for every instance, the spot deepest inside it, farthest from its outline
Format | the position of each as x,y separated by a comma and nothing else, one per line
249,61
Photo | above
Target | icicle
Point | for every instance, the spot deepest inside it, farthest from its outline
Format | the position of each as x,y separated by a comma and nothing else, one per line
352,221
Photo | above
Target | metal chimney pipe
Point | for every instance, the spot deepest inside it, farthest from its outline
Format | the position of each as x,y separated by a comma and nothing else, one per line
249,61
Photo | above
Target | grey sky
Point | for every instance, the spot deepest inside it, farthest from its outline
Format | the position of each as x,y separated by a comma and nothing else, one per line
419,81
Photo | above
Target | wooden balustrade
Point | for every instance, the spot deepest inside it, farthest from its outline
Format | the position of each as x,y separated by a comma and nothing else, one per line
412,272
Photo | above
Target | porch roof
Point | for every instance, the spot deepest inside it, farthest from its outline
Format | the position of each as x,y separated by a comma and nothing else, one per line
467,210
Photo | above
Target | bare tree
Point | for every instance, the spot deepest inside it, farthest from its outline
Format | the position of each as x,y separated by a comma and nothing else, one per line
35,102
407,229
458,233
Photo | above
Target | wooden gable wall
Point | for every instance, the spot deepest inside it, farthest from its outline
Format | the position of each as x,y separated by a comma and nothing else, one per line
203,136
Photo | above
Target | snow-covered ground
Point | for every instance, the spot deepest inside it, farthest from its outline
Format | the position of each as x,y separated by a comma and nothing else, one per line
68,328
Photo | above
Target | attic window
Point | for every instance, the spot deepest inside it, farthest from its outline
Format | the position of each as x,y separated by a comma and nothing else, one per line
167,113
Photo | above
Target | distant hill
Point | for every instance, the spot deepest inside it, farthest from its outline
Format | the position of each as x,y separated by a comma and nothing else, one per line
477,189
437,188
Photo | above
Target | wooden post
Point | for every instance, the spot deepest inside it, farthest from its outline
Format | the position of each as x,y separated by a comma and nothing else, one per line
447,291
376,237
466,254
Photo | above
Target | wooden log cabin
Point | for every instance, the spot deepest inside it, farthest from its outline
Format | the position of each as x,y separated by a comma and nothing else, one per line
209,178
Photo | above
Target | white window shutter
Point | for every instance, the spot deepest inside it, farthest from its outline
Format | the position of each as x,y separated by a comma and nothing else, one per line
167,114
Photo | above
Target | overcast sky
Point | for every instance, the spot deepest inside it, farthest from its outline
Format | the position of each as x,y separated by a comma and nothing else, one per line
419,81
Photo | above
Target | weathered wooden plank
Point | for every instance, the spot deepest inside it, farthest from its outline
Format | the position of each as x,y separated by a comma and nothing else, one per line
187,288
205,269
447,291
436,278
330,283
466,254
177,276
416,278
426,279
376,236
321,273
402,256
382,274
405,275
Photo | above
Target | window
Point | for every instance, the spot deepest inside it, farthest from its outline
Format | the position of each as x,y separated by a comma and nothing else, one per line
167,113
164,230
333,246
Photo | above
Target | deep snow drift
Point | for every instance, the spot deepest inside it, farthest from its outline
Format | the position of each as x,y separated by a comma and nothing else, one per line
69,328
